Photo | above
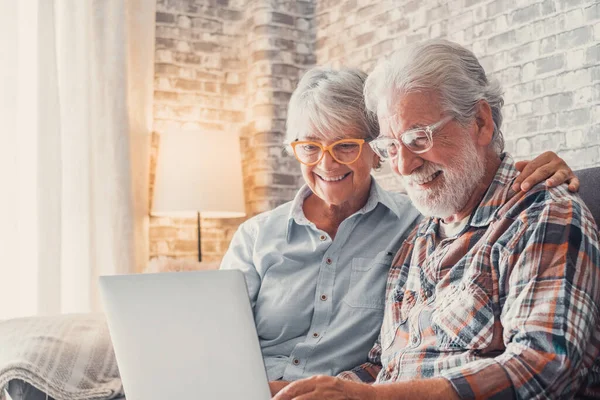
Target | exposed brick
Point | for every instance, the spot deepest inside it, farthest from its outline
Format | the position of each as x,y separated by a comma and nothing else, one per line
524,52
348,6
501,41
397,26
165,18
207,24
229,15
568,119
526,14
469,3
499,7
548,7
592,12
280,18
592,55
206,47
365,38
548,45
558,102
574,38
550,64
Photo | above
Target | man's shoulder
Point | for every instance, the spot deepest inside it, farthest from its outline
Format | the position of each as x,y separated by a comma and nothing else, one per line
540,200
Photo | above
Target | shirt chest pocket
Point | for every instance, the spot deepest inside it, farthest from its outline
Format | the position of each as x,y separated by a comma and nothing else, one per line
463,318
368,277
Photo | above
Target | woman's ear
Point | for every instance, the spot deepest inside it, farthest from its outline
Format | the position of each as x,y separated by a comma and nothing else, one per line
485,123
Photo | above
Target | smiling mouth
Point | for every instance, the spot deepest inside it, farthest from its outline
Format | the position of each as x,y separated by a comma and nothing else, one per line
331,179
423,181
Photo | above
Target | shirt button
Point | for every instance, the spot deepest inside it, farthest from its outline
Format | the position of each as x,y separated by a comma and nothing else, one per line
414,340
323,297
463,286
328,261
296,361
323,238
428,293
315,335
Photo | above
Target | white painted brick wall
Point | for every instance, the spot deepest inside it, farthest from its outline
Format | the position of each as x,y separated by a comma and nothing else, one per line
546,54
232,64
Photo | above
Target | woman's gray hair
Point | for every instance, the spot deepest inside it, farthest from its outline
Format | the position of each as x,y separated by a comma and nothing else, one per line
329,104
443,67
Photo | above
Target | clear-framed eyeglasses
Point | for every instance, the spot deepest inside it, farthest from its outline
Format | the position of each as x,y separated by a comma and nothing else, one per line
418,140
345,151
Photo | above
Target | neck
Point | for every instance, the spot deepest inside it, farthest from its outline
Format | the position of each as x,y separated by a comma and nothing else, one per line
328,217
492,164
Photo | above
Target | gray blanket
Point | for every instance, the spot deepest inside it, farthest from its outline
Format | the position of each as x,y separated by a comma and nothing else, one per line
69,357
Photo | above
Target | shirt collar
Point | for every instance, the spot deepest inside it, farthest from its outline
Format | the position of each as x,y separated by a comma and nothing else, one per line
376,195
494,198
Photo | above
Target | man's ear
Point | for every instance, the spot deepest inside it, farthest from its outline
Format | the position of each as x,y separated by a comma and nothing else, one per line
485,123
376,163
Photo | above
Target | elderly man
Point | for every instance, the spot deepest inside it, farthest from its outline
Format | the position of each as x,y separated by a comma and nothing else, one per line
497,294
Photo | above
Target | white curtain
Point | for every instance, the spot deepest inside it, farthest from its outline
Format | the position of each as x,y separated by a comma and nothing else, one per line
76,90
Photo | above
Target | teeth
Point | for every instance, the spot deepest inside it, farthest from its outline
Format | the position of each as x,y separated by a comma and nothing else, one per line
421,181
334,179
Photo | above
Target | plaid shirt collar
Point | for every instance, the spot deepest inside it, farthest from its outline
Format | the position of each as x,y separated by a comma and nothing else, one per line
494,198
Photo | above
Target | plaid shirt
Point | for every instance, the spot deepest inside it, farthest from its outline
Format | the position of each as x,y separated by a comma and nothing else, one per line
508,308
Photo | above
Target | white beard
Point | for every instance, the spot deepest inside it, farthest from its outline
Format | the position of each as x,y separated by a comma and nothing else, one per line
453,187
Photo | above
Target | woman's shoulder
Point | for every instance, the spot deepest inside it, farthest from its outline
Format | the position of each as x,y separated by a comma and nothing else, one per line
268,218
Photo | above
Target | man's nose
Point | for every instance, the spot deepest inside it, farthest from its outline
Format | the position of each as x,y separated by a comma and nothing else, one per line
407,161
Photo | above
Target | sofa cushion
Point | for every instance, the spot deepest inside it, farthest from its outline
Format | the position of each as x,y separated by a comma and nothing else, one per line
590,190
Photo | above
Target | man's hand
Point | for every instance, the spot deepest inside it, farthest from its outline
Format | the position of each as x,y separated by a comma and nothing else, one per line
276,386
547,166
326,388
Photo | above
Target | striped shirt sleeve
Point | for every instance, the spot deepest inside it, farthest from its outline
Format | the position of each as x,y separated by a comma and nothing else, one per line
367,372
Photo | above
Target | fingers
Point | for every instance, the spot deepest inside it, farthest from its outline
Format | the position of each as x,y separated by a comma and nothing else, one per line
519,165
276,386
531,167
528,180
549,167
560,176
296,389
574,185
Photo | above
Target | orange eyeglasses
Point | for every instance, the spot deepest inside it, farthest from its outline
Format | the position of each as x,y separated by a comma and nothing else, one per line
345,151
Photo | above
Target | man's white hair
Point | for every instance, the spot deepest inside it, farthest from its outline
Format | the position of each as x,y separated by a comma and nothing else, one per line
329,104
446,68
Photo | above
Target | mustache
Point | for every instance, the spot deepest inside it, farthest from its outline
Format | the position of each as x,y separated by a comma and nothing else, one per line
425,171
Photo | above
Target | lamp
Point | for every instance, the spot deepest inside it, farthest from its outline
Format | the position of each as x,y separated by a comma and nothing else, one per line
199,173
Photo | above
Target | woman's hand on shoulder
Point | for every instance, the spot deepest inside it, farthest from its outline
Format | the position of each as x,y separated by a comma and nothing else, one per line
547,166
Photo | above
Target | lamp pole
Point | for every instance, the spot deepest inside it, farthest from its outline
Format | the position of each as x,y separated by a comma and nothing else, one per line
199,240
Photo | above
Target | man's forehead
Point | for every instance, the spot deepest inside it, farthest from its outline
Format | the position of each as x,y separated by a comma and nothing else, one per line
411,108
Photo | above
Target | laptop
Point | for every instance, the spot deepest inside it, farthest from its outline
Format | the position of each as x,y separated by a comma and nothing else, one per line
184,335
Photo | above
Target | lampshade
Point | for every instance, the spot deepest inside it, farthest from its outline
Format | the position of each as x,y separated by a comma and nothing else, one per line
199,172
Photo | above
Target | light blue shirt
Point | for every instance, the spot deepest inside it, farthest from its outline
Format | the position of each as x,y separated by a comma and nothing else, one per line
318,303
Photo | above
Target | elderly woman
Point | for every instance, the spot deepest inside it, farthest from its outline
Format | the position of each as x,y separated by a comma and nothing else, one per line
316,267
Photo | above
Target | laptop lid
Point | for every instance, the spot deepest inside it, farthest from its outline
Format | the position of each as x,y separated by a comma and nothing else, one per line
184,335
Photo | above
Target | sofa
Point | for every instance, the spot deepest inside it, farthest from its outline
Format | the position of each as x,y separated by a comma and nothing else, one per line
589,192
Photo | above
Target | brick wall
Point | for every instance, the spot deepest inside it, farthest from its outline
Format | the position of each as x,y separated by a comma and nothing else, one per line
199,86
224,65
279,46
545,53
233,64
